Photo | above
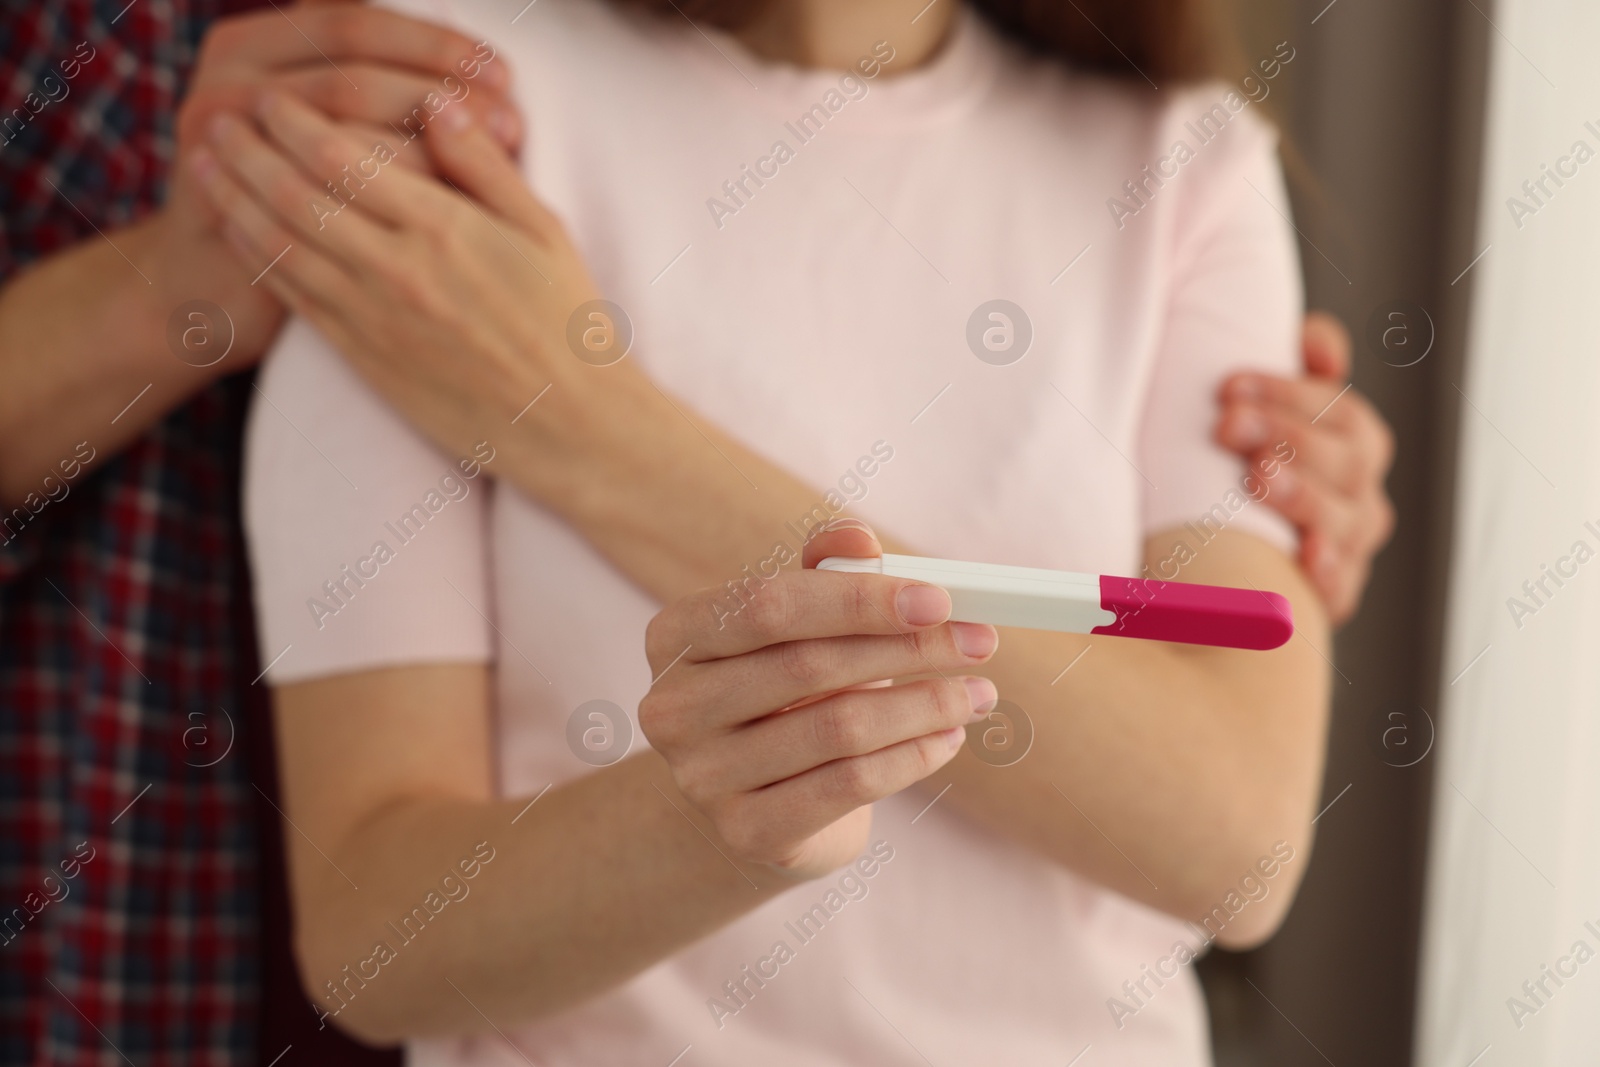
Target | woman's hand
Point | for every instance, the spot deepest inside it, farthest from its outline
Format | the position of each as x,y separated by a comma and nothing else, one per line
148,332
1333,490
476,293
361,66
762,716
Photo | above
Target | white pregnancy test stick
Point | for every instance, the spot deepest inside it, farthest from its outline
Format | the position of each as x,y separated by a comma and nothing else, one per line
1070,602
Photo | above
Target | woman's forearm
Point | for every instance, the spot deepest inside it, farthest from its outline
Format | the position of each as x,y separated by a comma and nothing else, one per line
576,890
1194,760
1165,771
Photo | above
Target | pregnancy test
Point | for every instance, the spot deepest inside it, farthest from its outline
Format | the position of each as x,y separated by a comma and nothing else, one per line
1092,603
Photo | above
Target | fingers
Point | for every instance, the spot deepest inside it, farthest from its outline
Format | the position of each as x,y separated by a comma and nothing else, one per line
463,152
764,824
728,692
338,34
292,199
1339,576
1353,450
1306,398
1301,452
393,96
791,607
842,537
259,239
1314,504
1325,347
363,175
856,722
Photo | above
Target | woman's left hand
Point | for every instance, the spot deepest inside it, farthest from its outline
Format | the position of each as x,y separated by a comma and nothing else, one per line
473,281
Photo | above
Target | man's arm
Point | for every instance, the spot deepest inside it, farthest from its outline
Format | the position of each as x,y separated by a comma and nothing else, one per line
81,339
85,331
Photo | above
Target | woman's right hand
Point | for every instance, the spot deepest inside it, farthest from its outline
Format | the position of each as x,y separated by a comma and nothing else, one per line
760,712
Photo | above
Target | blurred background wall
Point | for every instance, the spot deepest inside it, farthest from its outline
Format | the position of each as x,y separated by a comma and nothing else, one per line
1382,111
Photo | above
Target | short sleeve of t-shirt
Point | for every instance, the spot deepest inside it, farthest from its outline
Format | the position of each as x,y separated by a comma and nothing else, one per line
367,543
1235,303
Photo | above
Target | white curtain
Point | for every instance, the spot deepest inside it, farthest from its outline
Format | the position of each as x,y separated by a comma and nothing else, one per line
1514,869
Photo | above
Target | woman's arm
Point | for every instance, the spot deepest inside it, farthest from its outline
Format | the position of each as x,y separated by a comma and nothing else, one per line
1193,760
557,897
625,467
386,783
1167,771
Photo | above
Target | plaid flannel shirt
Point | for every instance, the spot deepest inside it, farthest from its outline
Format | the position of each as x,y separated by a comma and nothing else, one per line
129,888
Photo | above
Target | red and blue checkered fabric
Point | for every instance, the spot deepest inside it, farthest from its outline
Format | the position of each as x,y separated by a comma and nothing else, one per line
128,870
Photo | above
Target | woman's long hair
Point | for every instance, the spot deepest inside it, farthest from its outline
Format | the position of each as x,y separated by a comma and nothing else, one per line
1162,40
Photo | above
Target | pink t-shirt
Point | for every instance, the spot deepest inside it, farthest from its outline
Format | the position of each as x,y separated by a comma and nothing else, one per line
826,318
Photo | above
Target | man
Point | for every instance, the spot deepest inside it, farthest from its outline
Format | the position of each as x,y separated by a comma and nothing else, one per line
131,862
136,881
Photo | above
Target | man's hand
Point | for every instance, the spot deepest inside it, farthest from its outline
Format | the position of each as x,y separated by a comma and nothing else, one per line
1333,491
111,373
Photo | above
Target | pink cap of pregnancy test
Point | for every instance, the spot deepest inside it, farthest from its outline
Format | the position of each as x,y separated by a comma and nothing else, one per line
1195,614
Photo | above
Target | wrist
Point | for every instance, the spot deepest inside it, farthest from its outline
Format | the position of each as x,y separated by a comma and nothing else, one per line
200,309
579,442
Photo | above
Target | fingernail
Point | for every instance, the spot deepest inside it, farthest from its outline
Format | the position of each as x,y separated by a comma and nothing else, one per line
221,126
845,524
983,695
923,605
455,118
956,736
975,639
1247,430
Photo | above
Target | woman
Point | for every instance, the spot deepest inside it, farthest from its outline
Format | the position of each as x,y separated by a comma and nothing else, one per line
764,887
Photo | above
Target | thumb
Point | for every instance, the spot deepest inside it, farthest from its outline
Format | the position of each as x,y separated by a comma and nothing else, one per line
466,153
1325,346
842,537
